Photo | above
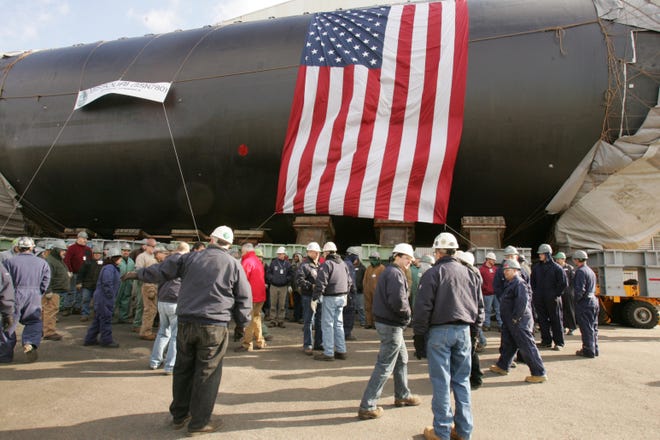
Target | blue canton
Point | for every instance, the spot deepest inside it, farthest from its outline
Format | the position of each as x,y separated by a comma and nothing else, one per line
337,39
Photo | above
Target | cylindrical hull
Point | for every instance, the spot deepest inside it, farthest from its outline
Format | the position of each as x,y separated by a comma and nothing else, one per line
535,104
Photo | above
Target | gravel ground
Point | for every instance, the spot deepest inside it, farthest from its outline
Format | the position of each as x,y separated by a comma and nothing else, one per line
76,392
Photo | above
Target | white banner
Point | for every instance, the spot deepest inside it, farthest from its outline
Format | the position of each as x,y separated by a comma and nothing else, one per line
151,91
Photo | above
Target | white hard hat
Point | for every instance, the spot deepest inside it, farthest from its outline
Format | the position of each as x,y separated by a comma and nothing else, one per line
114,250
466,257
329,247
580,255
511,264
25,243
428,259
353,250
223,233
491,256
510,250
314,246
405,249
445,241
544,249
281,250
57,244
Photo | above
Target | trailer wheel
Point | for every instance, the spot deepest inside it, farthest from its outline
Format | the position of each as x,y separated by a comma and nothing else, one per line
641,314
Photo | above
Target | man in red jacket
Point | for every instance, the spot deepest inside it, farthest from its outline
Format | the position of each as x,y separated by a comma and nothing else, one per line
75,257
254,270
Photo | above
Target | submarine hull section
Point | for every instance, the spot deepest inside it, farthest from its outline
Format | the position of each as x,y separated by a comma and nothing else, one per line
535,104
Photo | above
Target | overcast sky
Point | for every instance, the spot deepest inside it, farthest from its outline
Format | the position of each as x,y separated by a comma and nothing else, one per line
45,24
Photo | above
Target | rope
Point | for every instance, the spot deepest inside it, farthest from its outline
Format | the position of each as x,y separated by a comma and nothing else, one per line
43,160
183,180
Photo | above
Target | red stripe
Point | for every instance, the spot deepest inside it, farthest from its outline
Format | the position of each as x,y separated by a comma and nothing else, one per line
336,141
423,147
359,164
456,107
318,121
291,134
398,113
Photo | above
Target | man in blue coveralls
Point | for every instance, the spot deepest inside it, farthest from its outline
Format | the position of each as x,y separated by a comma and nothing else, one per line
586,305
31,277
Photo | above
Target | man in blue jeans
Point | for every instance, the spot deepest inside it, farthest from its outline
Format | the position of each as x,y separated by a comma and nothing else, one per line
333,284
214,288
448,302
391,311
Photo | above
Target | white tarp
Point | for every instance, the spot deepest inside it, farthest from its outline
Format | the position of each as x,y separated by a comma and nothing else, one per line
150,91
643,14
612,199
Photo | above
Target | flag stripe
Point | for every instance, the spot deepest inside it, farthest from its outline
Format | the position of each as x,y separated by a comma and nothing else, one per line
359,165
398,112
455,109
316,125
423,146
381,125
336,149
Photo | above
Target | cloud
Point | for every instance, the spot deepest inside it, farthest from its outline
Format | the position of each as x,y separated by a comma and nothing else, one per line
23,22
160,20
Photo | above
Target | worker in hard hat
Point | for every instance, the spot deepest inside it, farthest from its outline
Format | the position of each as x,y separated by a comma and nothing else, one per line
148,292
333,285
356,270
76,255
254,271
447,305
31,277
123,304
371,274
306,280
107,286
567,298
548,282
586,305
488,271
391,314
59,285
518,328
279,275
87,277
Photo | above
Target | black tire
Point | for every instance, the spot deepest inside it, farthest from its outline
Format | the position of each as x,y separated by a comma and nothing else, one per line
640,314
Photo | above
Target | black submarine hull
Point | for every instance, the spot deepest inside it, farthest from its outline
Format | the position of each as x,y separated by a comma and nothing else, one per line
537,99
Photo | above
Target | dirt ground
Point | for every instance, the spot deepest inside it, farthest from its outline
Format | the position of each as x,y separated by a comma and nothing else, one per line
76,392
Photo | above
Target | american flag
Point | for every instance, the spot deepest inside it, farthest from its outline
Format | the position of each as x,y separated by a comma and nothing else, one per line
377,113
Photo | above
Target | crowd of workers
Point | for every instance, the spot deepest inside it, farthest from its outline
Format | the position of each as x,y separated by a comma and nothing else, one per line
443,297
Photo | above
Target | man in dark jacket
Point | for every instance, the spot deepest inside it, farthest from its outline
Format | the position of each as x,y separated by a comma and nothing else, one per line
214,289
567,298
333,284
447,304
306,280
59,285
87,277
518,324
392,315
586,305
279,275
548,282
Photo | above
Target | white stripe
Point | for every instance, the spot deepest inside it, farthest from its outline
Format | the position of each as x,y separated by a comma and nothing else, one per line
311,81
441,113
349,145
320,160
382,122
413,110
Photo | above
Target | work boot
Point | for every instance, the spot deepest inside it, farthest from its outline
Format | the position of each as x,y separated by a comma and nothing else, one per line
367,414
242,348
30,352
323,357
53,337
308,351
340,356
453,435
178,424
112,344
272,324
498,370
150,337
66,312
411,400
84,318
429,434
544,345
351,338
281,324
536,379
206,429
584,354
